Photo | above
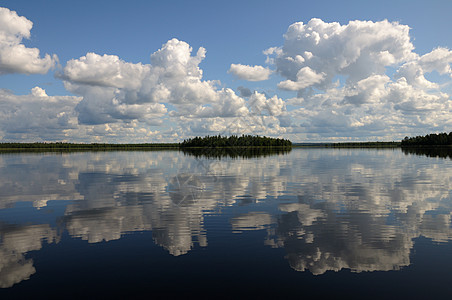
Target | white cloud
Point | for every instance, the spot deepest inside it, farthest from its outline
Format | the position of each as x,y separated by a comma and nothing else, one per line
413,73
356,50
439,59
260,105
369,90
36,116
346,85
105,70
38,92
14,56
250,73
257,115
114,90
417,101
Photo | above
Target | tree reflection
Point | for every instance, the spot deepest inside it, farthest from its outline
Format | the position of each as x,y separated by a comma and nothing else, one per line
441,152
235,152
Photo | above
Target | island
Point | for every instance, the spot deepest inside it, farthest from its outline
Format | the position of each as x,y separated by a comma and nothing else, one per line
218,141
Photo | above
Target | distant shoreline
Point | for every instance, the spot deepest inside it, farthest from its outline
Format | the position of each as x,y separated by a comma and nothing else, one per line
349,145
76,147
62,147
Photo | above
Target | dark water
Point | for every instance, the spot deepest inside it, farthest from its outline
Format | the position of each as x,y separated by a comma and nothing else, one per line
308,223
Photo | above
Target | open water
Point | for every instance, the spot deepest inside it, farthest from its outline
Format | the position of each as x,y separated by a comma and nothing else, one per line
364,223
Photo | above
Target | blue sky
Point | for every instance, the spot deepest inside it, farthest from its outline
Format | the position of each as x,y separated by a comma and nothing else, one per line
364,105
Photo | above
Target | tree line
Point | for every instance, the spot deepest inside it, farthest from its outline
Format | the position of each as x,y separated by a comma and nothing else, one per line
60,146
216,141
433,139
235,141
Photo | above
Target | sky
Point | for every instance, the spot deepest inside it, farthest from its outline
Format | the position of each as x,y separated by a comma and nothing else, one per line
163,71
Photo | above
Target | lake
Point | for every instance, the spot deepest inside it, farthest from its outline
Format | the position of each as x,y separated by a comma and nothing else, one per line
159,224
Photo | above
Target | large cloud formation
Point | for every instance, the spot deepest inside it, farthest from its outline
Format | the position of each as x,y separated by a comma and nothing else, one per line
359,80
37,116
341,74
14,56
115,91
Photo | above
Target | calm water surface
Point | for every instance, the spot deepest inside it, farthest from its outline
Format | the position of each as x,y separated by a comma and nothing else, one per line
311,222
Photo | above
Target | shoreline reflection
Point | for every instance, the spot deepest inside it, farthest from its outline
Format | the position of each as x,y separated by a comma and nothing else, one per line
440,152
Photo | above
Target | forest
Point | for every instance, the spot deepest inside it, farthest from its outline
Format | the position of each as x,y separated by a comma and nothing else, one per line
433,139
235,141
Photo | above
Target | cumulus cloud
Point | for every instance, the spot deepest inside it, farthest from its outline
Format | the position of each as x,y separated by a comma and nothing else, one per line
361,80
260,114
171,86
346,85
356,50
114,90
109,71
36,116
250,73
260,104
439,59
14,56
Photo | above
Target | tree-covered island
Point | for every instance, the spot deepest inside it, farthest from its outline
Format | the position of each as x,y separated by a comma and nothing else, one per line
218,141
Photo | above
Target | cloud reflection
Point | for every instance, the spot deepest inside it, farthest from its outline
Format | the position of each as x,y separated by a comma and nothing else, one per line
251,221
16,241
142,198
363,215
329,209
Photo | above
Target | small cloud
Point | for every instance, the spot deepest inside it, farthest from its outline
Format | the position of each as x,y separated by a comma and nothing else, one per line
38,92
250,73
